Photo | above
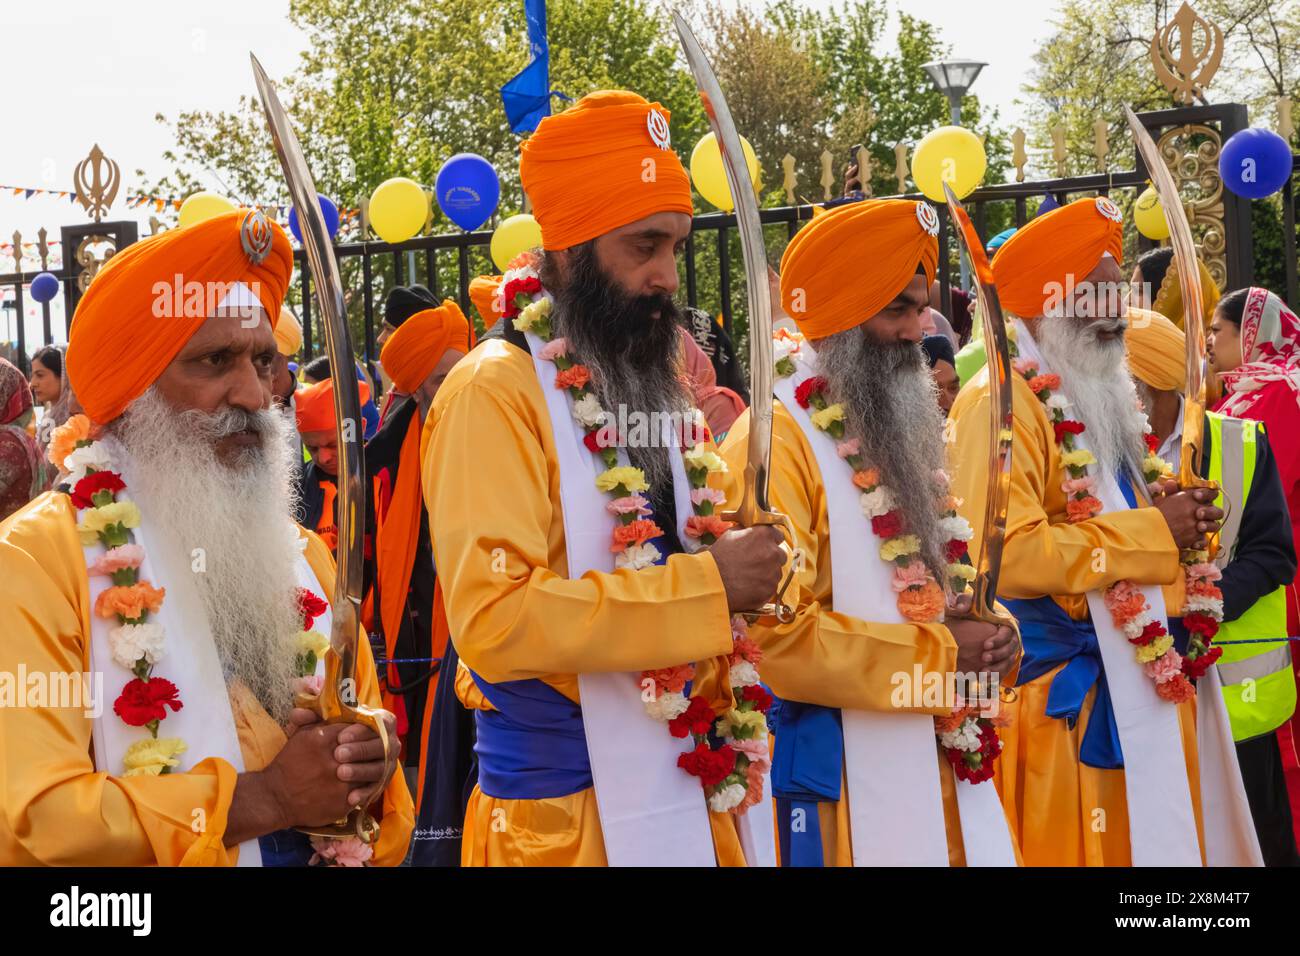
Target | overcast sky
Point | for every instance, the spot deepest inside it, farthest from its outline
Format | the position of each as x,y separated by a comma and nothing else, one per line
87,71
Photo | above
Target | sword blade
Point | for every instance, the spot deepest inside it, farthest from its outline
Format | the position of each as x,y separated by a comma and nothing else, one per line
750,229
1189,277
338,346
996,347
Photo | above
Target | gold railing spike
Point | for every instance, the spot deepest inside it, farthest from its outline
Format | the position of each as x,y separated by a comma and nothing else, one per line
1285,124
1101,143
789,178
900,166
1018,155
1059,152
866,167
828,174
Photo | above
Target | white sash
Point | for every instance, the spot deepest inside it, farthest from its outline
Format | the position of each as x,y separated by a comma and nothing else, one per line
897,818
1162,825
651,813
190,660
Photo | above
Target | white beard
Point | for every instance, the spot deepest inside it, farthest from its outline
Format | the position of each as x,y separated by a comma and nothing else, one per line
239,516
1096,378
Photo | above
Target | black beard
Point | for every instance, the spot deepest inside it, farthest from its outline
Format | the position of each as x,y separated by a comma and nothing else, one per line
635,356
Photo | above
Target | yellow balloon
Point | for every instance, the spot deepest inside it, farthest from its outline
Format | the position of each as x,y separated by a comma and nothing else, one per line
709,176
515,235
200,206
951,154
1149,215
398,208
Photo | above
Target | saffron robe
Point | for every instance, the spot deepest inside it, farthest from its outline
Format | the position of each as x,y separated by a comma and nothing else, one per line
55,808
492,489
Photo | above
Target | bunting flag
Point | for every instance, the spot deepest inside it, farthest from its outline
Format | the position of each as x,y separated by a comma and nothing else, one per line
27,192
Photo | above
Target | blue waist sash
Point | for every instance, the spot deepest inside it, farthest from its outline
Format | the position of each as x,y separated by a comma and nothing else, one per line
806,770
1051,637
533,745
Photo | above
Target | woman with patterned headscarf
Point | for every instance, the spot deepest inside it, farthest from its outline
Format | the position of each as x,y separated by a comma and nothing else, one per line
24,473
1254,347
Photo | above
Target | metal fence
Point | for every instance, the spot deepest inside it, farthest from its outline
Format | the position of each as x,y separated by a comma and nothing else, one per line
447,263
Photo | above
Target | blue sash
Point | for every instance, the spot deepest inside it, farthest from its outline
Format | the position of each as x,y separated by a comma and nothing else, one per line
533,745
285,848
807,768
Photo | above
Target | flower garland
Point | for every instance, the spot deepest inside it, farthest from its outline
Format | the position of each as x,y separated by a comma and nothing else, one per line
106,515
731,751
968,736
1203,610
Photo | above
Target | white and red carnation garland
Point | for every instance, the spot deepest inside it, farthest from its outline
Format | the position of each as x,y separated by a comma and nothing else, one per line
1129,610
731,749
968,736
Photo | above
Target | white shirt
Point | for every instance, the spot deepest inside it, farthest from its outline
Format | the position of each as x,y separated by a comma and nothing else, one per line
1170,447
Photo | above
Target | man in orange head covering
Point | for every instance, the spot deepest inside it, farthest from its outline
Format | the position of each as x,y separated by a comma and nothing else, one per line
857,464
1099,767
410,615
167,563
318,487
483,293
586,575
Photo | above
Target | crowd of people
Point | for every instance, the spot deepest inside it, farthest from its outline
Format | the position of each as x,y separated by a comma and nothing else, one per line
572,633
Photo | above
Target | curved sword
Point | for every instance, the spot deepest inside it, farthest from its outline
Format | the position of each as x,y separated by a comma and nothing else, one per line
337,702
754,508
989,565
1189,277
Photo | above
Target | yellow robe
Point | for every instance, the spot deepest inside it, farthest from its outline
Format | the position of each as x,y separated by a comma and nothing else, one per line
1063,812
55,807
498,541
827,658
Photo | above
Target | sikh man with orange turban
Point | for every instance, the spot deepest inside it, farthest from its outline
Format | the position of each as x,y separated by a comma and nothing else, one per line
589,584
407,603
867,770
1101,764
318,483
165,570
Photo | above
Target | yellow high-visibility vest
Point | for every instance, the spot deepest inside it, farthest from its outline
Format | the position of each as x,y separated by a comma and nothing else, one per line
1258,683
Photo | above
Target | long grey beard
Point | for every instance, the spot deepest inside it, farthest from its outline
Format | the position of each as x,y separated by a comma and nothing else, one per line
629,389
1095,377
233,522
891,406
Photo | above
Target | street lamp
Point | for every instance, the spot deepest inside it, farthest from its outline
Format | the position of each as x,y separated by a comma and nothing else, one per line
954,78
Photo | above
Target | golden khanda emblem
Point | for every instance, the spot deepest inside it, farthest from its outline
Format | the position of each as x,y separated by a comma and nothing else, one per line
255,236
96,179
1187,73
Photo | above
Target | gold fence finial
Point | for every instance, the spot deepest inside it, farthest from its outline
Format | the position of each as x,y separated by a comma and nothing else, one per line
900,166
1101,143
1187,72
866,167
828,174
788,178
1285,124
1018,155
1059,151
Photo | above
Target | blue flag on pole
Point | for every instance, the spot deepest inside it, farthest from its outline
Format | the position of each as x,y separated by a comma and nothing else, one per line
527,95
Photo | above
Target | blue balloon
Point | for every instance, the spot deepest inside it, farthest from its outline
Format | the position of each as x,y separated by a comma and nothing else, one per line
468,189
328,210
1255,163
45,287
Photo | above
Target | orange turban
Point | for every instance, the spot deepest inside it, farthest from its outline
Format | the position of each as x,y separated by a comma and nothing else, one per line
604,162
288,333
1157,350
314,405
845,266
1055,250
483,293
151,297
411,352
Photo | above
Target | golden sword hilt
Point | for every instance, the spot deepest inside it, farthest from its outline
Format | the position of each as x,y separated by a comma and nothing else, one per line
330,706
749,514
